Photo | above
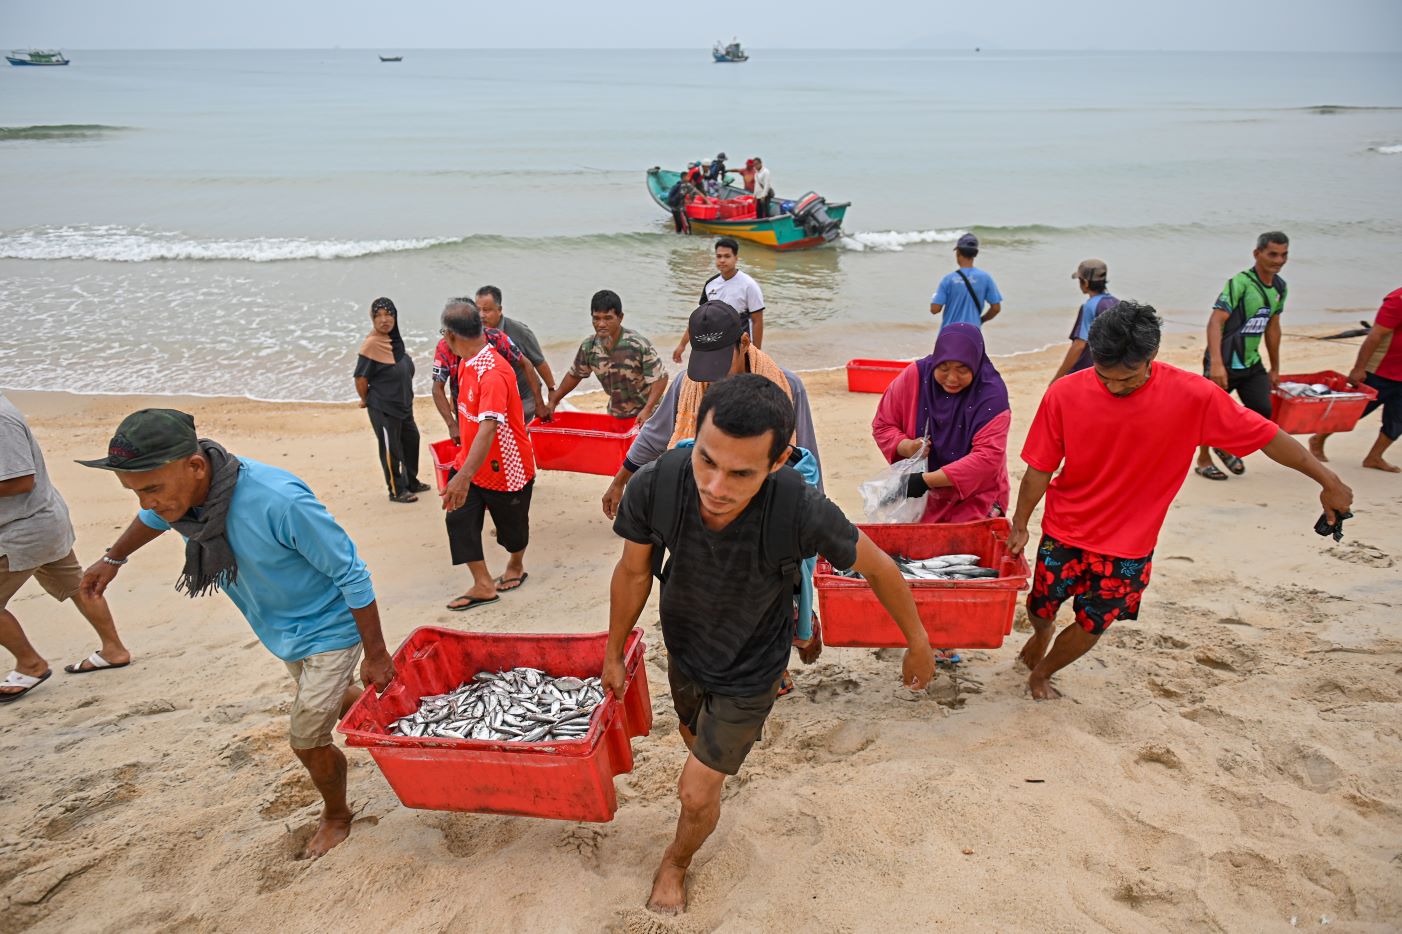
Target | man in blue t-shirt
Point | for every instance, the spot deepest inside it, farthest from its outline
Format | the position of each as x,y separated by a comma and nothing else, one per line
259,534
1093,276
963,293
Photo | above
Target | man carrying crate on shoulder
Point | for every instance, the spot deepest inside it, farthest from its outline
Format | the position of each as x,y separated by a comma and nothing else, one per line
726,606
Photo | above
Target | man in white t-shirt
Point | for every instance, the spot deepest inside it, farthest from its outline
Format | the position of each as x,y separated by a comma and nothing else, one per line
764,188
733,287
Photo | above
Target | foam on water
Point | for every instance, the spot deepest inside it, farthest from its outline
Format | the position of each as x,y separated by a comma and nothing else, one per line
1388,150
896,240
118,244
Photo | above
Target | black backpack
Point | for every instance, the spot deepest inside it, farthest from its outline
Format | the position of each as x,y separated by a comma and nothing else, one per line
778,544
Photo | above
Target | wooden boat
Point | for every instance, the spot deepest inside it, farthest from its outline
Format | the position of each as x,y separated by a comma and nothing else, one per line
36,57
729,53
391,58
809,221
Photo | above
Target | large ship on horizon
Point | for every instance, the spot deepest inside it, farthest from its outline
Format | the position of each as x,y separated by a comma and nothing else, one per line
36,57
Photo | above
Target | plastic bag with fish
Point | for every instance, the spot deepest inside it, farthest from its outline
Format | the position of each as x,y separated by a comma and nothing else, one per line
884,497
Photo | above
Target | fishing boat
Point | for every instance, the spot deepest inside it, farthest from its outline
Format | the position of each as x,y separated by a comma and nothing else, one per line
729,53
809,221
391,58
36,57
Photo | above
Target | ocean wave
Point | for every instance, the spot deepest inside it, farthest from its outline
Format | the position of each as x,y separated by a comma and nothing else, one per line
896,240
1327,109
117,244
57,131
1387,150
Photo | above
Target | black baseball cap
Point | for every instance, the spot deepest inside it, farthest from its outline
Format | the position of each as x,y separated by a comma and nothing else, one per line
715,330
967,242
149,439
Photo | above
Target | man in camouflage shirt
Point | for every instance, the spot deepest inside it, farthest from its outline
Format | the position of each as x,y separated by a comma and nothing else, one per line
625,362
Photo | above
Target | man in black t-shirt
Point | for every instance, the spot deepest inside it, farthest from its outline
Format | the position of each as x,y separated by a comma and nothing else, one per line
727,610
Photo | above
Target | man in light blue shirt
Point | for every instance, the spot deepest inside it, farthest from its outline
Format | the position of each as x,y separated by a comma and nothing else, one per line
259,534
962,294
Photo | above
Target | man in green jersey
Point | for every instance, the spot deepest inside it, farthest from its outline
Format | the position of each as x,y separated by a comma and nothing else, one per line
1245,315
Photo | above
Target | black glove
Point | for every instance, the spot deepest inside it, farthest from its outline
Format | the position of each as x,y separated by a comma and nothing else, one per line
1323,526
915,485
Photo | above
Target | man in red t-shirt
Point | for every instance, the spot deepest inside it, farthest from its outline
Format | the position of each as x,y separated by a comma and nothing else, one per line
495,470
1123,433
1379,365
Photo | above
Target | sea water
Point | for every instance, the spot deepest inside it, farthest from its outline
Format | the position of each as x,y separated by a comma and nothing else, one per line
219,222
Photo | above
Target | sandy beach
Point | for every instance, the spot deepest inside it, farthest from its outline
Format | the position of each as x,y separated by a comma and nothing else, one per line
1227,762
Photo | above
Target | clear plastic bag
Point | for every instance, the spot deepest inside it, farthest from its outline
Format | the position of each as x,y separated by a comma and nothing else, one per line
884,496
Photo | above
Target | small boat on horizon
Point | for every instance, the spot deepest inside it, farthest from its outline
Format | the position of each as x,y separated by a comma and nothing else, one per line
729,53
36,57
391,58
809,221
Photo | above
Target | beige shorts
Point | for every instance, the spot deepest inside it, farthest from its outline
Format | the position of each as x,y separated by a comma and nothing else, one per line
322,680
60,578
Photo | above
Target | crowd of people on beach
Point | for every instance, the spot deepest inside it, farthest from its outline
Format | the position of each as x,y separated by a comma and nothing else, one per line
720,497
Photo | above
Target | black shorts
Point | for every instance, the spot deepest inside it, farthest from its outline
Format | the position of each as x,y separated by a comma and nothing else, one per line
1103,588
1390,401
725,727
1252,386
511,512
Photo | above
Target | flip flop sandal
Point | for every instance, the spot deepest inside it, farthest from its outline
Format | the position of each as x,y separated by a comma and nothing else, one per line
97,662
1210,472
517,581
786,685
16,680
420,488
1230,461
405,497
472,603
948,658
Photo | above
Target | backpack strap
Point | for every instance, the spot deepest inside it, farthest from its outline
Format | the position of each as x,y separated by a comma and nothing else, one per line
666,507
978,302
779,529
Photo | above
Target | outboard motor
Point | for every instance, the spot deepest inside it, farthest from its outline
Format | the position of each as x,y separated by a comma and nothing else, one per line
811,213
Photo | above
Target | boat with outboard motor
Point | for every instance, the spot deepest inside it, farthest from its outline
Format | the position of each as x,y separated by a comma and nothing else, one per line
806,222
36,57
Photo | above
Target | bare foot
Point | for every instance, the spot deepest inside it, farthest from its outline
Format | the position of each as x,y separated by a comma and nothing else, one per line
668,889
1041,688
1317,449
1035,648
329,832
1377,463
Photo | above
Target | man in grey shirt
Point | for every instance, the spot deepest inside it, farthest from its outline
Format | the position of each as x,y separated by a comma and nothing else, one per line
36,540
489,304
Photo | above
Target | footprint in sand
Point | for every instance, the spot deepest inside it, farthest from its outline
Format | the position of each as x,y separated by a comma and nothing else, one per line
1356,552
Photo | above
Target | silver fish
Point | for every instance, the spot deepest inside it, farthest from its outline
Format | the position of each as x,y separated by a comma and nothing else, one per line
521,705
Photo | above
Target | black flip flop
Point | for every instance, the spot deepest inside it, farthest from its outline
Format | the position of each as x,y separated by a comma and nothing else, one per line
1230,461
420,488
77,667
11,697
472,603
1211,472
518,581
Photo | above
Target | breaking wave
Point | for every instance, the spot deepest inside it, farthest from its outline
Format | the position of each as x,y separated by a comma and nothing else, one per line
57,131
117,244
895,240
1388,150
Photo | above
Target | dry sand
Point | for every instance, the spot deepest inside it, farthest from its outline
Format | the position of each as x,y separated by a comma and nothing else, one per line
1228,762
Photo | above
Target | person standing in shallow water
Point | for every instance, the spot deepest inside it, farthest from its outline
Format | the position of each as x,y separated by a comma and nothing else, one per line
259,534
1122,434
384,380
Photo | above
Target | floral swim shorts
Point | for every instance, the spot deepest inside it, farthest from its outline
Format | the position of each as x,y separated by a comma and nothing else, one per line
1103,588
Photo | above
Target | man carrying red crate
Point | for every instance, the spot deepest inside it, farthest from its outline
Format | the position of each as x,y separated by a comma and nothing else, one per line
495,470
1379,365
1123,434
259,534
727,591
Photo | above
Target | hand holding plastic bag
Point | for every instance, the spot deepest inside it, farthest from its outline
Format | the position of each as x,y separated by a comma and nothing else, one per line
885,498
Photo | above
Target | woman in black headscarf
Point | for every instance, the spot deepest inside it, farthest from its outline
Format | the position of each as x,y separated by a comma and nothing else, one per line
384,379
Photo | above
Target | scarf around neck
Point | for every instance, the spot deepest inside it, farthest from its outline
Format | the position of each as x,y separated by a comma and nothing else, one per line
689,396
950,420
210,564
383,348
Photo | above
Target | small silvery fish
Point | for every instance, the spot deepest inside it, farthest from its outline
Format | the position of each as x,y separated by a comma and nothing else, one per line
520,705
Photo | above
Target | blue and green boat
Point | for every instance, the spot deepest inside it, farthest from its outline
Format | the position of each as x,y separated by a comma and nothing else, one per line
806,222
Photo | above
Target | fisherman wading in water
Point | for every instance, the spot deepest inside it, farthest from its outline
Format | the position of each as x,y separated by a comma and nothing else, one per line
738,522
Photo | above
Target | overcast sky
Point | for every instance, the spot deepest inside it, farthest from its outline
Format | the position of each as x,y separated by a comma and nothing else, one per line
1261,25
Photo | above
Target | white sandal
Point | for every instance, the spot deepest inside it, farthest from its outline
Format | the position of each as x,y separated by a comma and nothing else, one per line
97,662
17,680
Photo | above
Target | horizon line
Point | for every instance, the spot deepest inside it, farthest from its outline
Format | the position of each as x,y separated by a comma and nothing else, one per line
687,48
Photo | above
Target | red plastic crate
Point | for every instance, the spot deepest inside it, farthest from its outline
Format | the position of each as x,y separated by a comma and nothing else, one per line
742,208
444,453
582,442
873,375
1298,415
571,780
973,614
703,210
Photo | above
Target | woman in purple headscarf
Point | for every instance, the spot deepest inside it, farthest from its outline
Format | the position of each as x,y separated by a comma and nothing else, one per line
956,399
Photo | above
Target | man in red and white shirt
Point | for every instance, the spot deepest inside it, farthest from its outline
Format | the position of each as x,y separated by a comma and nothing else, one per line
1379,365
495,470
1123,434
